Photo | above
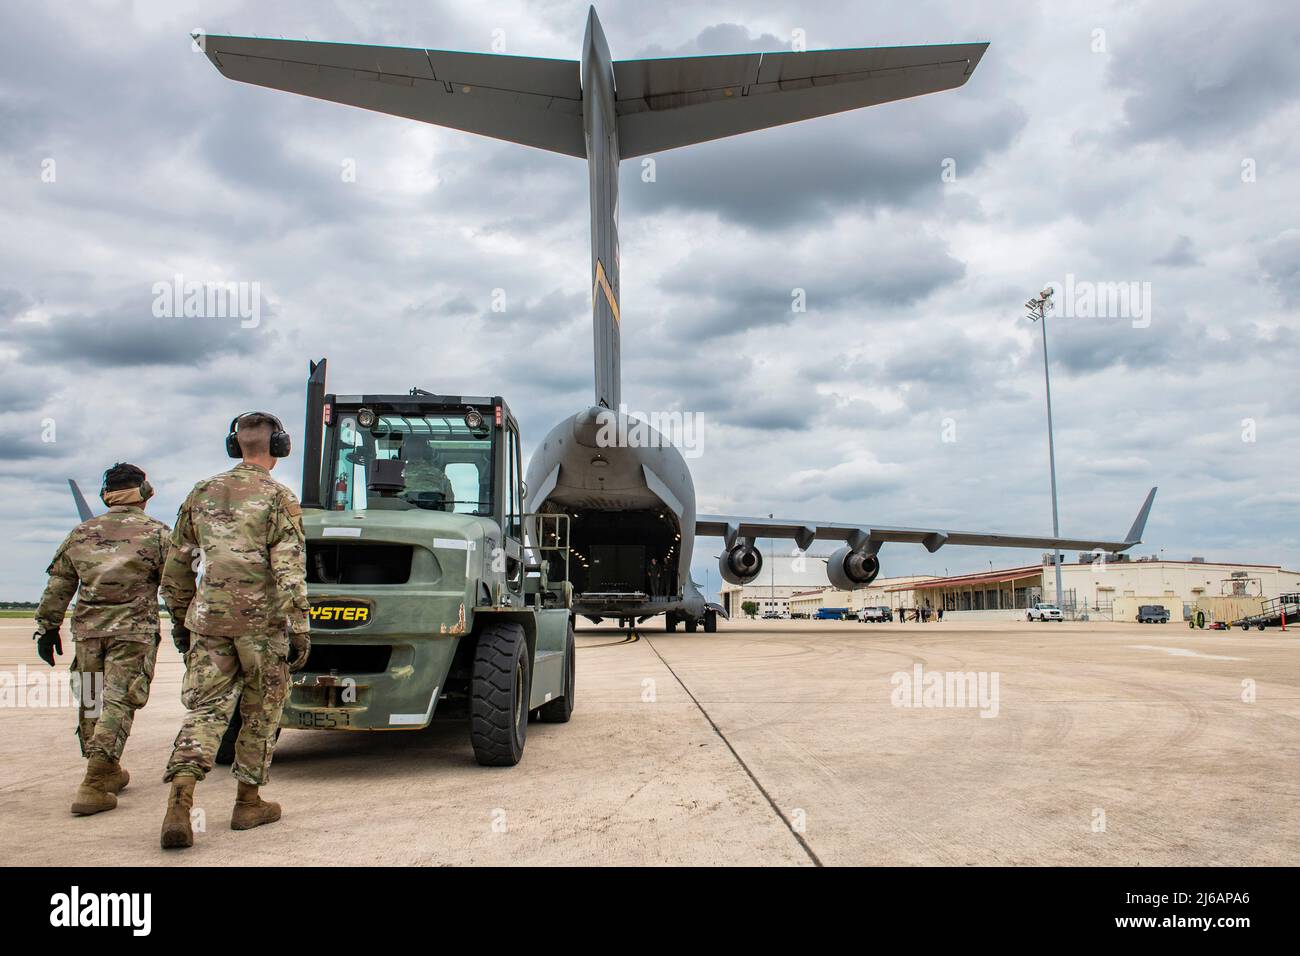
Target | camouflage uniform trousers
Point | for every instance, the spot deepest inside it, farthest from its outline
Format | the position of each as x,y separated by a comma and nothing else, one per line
221,673
127,669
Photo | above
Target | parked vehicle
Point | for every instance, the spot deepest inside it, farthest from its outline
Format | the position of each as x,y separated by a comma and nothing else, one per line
424,608
1045,612
875,615
1153,614
1274,613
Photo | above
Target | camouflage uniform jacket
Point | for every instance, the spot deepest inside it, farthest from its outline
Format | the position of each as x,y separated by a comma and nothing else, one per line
116,559
245,529
424,476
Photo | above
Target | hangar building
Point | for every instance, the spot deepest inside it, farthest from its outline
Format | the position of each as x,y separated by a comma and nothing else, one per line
1105,590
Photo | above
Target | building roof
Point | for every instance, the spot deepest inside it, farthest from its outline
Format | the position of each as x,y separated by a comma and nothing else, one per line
964,580
1182,562
1004,575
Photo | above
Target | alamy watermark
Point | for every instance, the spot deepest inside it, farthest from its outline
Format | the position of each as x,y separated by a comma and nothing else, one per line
682,430
1084,299
971,689
74,908
52,688
208,300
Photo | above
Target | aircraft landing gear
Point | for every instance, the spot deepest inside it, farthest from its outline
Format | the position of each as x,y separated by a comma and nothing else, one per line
670,622
710,622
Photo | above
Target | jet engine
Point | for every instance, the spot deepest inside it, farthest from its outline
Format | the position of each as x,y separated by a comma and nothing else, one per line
740,564
848,569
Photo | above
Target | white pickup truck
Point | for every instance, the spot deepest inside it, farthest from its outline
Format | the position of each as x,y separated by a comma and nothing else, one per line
1045,612
874,615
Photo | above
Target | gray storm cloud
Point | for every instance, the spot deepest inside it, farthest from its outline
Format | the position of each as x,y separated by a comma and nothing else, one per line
125,158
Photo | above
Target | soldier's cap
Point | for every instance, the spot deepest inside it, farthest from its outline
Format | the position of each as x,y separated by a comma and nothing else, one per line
123,475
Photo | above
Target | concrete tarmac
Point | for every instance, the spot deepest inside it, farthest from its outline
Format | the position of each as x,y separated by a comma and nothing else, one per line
768,743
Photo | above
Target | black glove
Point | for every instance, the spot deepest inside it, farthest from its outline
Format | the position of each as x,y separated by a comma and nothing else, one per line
180,636
299,650
48,643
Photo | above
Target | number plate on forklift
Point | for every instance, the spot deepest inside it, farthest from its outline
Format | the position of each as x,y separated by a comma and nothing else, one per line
322,719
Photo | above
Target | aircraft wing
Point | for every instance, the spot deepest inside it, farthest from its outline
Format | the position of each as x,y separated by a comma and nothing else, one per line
528,100
870,537
83,509
676,101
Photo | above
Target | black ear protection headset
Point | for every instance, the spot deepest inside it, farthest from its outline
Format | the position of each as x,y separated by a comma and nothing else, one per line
279,437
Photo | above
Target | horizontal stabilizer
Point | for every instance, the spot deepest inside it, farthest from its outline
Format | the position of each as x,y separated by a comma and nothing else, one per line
521,99
676,101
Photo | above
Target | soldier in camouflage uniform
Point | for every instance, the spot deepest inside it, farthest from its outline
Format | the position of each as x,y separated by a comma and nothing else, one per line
246,530
425,481
113,564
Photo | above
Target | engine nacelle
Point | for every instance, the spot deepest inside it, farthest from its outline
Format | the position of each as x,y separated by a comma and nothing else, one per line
848,569
740,564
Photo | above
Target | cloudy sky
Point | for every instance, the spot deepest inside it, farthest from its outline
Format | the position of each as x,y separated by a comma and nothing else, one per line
1124,142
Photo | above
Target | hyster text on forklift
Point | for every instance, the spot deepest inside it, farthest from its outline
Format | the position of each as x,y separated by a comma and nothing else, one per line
430,589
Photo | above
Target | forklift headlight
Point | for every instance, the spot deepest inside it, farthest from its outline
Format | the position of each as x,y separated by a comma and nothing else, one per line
366,418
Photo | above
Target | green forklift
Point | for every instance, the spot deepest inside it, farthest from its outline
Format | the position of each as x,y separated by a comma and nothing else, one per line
432,594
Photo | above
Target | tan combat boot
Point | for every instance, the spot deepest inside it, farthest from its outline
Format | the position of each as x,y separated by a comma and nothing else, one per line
251,810
95,795
176,830
117,778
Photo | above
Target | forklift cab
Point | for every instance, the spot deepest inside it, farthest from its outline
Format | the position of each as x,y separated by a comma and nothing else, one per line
454,454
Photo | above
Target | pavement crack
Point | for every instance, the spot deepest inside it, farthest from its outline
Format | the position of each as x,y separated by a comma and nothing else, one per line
803,844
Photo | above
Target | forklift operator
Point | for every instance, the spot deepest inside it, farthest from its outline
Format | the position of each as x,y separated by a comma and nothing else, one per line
426,484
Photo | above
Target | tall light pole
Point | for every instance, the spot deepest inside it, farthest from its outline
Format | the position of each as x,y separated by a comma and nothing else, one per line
771,548
1038,309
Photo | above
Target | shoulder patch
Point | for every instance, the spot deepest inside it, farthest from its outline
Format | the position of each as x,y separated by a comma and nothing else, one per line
287,499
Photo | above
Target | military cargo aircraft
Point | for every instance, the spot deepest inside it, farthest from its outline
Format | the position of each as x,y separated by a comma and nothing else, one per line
631,502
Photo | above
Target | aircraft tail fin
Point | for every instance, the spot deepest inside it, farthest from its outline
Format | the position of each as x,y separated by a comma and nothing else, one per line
522,99
677,101
598,109
600,126
1134,535
83,509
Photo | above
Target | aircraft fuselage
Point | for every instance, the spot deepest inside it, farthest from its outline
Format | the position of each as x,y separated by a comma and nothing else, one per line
631,499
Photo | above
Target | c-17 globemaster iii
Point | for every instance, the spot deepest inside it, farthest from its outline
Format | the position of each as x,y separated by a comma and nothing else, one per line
630,503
